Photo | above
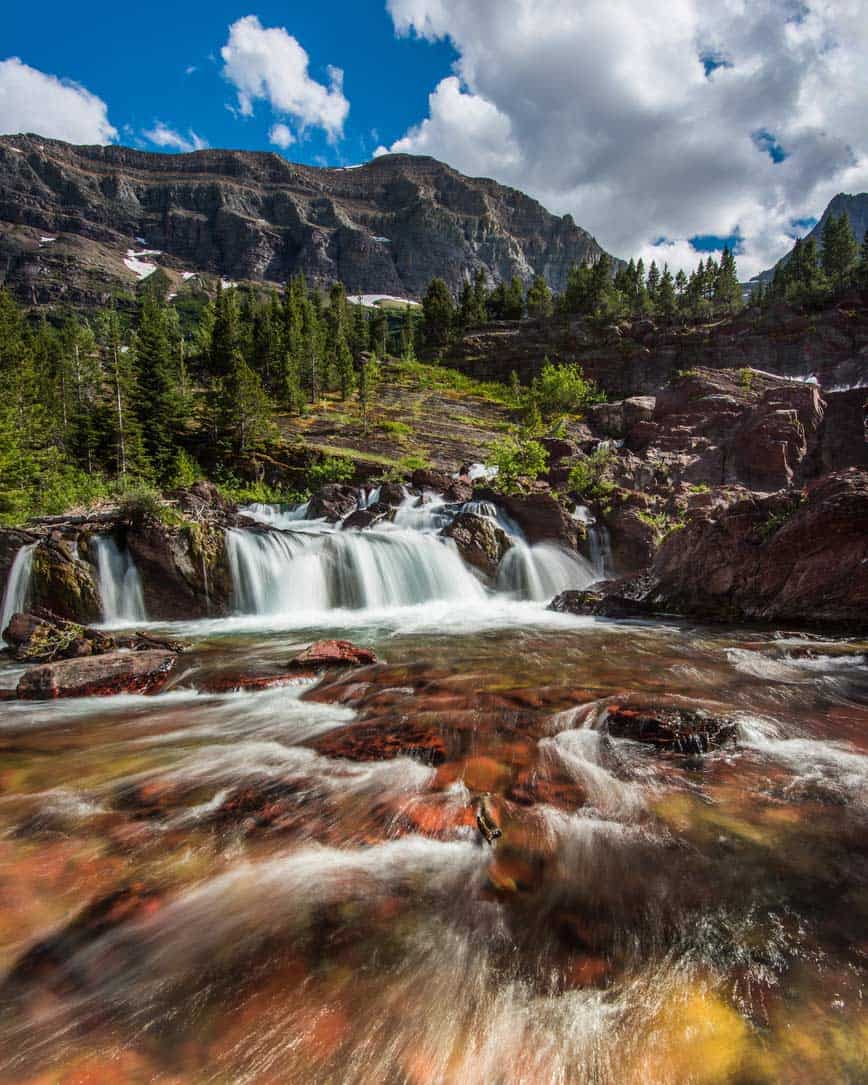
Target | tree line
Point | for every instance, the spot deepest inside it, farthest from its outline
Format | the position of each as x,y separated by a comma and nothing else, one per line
109,396
594,289
812,274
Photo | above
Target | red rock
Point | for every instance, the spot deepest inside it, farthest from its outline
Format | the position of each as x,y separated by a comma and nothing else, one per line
669,727
480,542
224,683
384,741
332,653
98,676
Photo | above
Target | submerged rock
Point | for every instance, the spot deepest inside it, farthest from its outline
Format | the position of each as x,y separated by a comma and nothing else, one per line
332,653
98,676
672,728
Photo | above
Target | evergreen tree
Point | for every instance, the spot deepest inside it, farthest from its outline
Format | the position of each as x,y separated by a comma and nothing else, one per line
408,336
862,269
156,407
666,300
378,332
437,314
839,249
653,284
727,289
539,299
225,338
244,410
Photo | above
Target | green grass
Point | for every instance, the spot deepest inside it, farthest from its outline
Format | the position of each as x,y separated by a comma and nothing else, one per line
443,379
396,429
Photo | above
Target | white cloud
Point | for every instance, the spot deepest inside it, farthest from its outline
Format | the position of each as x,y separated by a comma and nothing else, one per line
161,135
32,101
268,63
281,135
605,110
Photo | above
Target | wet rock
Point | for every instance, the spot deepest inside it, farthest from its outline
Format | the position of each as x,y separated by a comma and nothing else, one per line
42,636
633,538
384,741
203,501
183,568
624,598
425,478
98,676
362,518
332,653
671,728
56,962
480,542
392,494
541,517
226,683
63,584
333,502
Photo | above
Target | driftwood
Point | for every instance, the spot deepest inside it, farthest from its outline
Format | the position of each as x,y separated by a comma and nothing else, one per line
485,820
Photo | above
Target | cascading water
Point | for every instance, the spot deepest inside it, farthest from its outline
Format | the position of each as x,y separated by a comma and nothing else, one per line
279,516
540,572
287,572
599,542
17,586
120,586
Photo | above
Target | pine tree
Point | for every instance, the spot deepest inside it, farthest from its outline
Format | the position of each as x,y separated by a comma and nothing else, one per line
225,338
156,408
862,269
727,289
368,373
438,314
666,300
408,336
539,299
378,332
243,410
839,249
652,284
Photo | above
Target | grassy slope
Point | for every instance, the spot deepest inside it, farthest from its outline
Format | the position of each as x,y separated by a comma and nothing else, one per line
418,414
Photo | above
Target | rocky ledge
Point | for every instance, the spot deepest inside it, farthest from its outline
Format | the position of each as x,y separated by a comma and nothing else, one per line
796,556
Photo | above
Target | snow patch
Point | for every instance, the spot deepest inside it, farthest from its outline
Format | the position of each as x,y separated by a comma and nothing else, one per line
227,284
141,240
139,267
384,240
187,275
370,301
45,240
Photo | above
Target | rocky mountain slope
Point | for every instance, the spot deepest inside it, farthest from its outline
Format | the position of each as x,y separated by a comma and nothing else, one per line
854,207
77,223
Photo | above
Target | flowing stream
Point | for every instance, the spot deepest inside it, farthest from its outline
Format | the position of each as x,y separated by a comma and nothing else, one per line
17,590
120,586
287,884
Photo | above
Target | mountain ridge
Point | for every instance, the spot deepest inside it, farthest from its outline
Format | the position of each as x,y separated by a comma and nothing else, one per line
386,226
854,205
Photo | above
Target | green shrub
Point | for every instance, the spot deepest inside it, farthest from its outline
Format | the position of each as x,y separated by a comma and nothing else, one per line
564,389
586,479
745,378
517,458
397,429
330,469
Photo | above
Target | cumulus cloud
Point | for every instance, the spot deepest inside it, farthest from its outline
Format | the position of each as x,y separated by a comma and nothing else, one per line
32,101
281,135
161,135
267,63
717,118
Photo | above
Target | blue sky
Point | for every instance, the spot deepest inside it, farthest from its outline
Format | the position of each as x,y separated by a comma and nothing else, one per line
664,137
137,59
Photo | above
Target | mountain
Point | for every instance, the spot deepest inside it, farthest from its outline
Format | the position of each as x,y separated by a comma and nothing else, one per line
856,210
76,223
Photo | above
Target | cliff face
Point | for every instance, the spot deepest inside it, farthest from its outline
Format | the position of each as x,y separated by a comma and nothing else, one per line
69,214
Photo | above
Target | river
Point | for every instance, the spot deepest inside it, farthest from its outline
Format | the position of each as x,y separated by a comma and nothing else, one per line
288,885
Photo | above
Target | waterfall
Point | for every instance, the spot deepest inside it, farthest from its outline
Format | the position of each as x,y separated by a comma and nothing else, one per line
120,587
279,516
429,513
294,572
17,590
540,572
599,542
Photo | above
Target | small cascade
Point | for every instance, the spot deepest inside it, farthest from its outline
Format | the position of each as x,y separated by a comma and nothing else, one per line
120,586
17,592
429,513
294,572
599,542
540,572
279,516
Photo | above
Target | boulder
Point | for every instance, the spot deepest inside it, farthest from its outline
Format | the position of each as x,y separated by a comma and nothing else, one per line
392,494
333,502
633,539
363,518
63,584
183,568
540,516
332,653
480,542
98,676
40,637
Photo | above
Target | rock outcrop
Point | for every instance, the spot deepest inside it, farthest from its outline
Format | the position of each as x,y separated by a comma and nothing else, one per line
480,542
793,557
324,654
98,676
62,583
386,227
